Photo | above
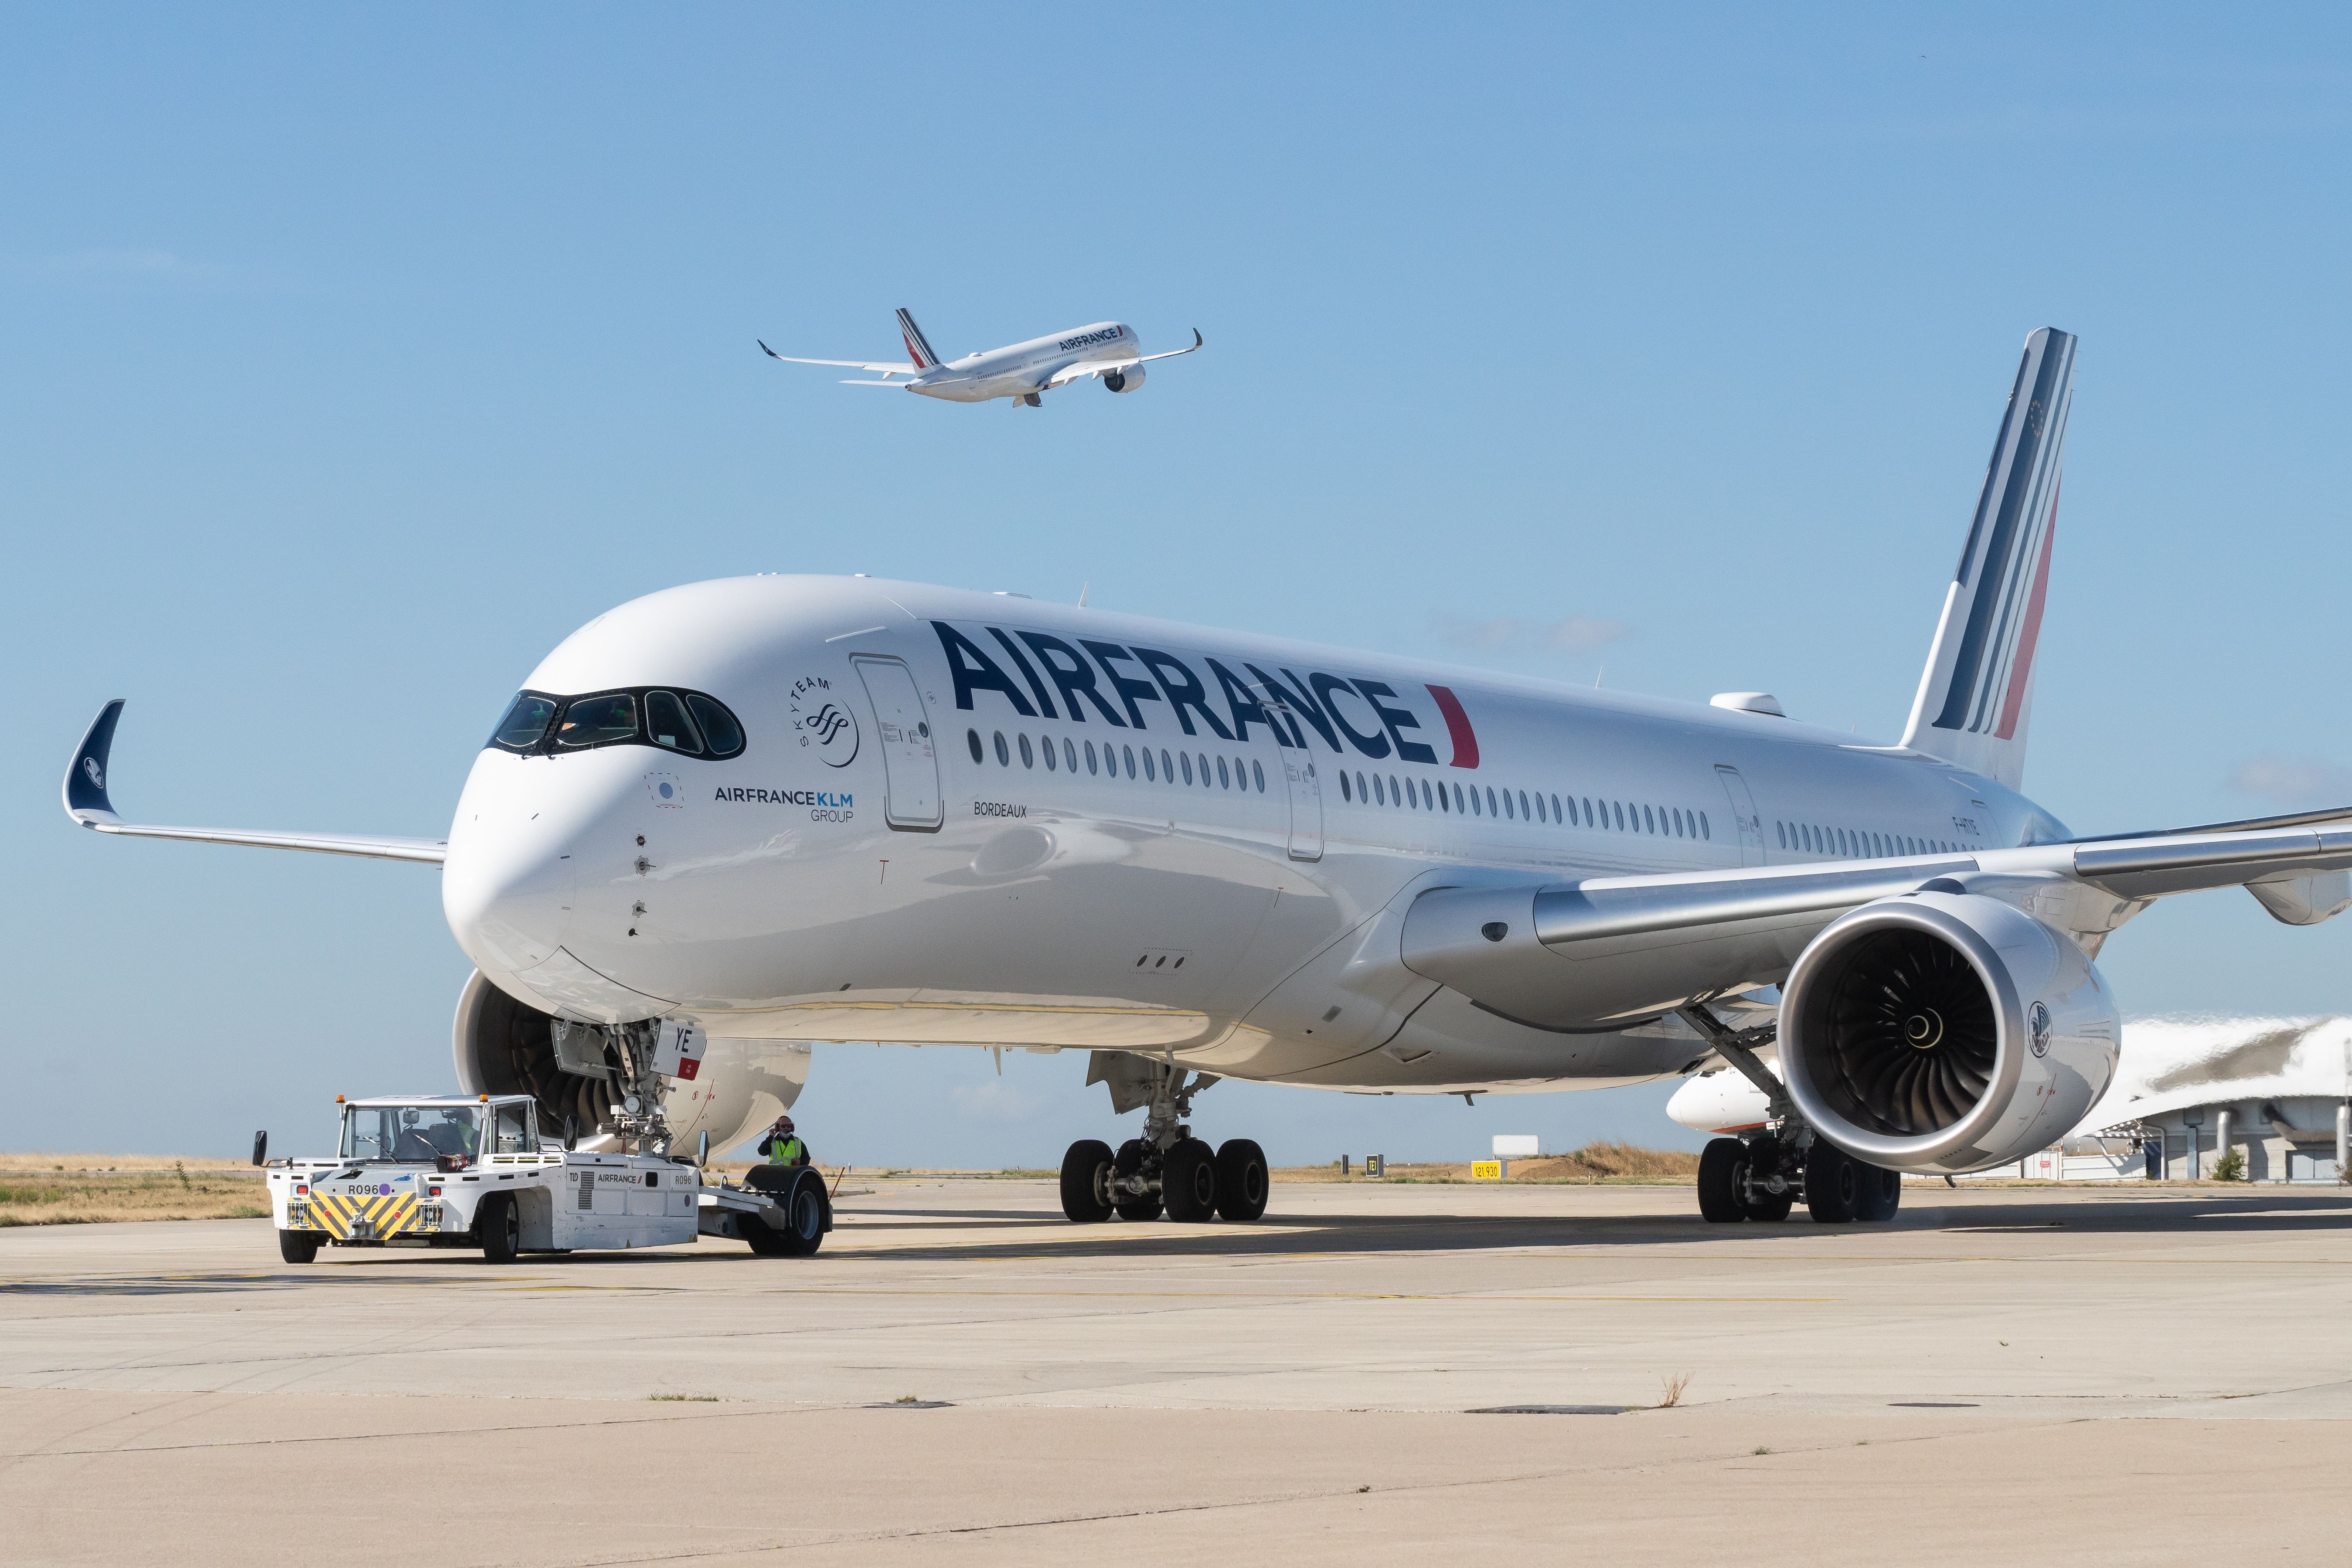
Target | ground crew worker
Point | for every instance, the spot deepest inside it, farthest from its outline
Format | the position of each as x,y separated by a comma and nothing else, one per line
783,1146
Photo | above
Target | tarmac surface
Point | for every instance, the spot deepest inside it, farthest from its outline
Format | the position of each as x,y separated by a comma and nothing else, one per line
2119,1374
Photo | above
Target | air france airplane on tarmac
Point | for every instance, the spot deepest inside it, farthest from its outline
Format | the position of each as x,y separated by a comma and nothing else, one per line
793,809
1024,371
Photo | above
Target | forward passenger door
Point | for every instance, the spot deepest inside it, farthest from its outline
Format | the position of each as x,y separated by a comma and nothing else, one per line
1305,786
910,763
1743,813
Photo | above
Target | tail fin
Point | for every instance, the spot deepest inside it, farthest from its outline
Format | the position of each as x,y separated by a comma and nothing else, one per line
919,348
1977,693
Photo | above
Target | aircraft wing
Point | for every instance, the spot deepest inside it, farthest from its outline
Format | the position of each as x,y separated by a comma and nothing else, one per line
1085,368
889,368
1171,354
1503,945
88,803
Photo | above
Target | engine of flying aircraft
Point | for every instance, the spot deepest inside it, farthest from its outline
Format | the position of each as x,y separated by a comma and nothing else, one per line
1126,380
506,1047
1945,1032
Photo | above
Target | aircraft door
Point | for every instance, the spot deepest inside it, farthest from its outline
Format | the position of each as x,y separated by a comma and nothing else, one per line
1305,786
1743,813
910,764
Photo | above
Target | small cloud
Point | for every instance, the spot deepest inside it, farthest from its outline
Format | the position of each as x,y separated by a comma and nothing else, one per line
2293,780
994,1100
1523,635
124,266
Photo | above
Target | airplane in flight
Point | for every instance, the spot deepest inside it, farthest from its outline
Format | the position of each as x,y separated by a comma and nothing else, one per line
1108,351
795,809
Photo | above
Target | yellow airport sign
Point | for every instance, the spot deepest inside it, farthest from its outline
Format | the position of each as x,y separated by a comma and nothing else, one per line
1486,1170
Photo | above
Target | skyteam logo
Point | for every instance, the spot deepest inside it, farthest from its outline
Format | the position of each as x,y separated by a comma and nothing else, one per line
96,774
824,724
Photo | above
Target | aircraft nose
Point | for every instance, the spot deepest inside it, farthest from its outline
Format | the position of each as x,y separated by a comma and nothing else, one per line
506,886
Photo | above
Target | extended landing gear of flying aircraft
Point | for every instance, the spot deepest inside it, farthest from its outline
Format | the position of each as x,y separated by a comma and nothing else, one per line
1167,1169
1765,1177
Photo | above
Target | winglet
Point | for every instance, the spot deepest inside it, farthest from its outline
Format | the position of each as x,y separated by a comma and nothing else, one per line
84,789
766,349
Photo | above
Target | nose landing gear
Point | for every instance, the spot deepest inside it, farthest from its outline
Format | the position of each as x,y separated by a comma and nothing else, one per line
1167,1169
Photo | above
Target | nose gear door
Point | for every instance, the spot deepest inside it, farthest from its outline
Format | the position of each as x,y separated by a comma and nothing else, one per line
910,764
1305,786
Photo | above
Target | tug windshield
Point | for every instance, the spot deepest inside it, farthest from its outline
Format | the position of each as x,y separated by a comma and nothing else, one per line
412,1133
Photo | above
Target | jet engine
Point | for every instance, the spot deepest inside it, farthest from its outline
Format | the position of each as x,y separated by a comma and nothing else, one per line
1943,1032
1124,379
506,1047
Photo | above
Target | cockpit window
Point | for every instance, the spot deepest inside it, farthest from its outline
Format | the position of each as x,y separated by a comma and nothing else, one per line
718,726
687,722
667,725
598,720
525,723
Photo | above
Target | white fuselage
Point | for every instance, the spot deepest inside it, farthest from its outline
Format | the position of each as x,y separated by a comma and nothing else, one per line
867,880
1023,368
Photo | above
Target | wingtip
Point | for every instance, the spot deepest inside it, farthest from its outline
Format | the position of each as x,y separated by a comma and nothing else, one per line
1196,337
86,798
766,349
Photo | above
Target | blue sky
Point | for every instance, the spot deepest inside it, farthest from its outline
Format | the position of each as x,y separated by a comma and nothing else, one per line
354,356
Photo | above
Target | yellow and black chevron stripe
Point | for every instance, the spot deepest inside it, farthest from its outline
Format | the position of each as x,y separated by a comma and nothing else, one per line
366,1216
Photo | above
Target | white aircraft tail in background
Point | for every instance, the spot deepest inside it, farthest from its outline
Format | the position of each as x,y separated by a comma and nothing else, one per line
1108,351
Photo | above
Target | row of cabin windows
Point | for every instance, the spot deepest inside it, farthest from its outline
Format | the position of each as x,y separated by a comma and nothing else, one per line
1856,843
1518,804
1236,772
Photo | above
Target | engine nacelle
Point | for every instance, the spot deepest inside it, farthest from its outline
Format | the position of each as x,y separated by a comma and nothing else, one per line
1940,1032
1124,379
505,1046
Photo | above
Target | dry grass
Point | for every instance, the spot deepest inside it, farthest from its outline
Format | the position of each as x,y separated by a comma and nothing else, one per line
90,1189
1604,1163
1670,1390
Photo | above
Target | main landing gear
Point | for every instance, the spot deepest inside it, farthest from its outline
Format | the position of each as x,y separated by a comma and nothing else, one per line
1764,1176
1166,1170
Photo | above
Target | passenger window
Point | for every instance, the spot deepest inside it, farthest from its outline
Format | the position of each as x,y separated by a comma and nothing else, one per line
1004,753
1257,772
1704,831
1204,770
1649,823
1360,788
1070,754
1228,783
972,739
1129,752
667,725
1028,757
598,720
1150,768
1379,791
1090,758
524,724
1045,745
1186,759
1458,806
1523,802
1167,767
720,733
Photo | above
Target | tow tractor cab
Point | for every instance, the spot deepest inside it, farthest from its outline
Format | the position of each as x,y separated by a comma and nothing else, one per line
473,1172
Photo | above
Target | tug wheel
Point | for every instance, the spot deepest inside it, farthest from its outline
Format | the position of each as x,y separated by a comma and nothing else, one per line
299,1245
501,1222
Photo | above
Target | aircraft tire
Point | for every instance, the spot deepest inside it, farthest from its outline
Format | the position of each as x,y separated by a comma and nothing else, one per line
299,1245
1721,1165
1242,1186
1833,1183
1082,1185
1880,1194
1188,1182
500,1223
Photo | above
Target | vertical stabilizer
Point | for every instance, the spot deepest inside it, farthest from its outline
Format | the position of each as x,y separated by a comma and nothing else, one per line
918,348
1976,695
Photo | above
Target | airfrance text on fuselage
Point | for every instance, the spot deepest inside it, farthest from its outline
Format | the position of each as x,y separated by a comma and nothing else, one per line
1059,679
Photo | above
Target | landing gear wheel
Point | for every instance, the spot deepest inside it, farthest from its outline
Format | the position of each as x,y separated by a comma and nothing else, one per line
1129,1163
1084,1185
1241,1179
1879,1196
299,1245
1833,1183
1722,1171
1187,1181
500,1223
